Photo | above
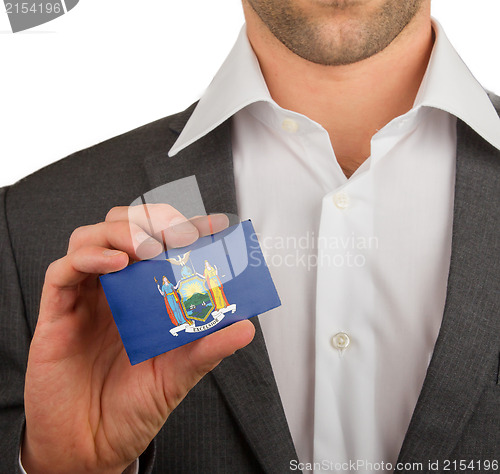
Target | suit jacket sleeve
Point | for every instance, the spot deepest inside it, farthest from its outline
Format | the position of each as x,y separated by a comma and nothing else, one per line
15,337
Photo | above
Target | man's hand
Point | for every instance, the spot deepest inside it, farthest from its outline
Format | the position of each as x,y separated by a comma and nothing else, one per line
87,408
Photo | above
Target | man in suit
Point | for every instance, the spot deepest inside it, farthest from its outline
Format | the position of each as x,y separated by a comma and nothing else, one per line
351,105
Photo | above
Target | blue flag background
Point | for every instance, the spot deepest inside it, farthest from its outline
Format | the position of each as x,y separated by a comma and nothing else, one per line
148,321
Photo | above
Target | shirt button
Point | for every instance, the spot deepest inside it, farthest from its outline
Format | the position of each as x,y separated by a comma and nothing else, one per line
289,125
341,200
340,341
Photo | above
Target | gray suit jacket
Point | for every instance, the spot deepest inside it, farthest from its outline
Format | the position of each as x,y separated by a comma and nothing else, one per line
233,420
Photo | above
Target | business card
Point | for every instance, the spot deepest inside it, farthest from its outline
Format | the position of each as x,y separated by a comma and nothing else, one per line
190,292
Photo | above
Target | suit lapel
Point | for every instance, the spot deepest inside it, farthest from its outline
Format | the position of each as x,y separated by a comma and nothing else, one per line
246,379
466,347
248,385
209,159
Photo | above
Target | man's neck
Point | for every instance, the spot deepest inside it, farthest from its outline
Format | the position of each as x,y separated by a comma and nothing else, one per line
351,102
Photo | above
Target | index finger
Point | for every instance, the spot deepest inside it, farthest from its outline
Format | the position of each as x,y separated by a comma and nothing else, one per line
162,221
167,224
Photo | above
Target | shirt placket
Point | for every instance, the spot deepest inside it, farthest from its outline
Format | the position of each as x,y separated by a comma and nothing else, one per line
343,310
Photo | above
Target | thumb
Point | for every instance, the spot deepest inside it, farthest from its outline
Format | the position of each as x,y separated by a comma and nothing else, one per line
188,364
212,349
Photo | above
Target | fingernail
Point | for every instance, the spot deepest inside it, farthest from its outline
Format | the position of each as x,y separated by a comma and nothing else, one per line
142,237
182,226
111,253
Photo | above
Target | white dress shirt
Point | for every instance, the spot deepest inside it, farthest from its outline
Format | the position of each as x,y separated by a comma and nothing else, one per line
361,264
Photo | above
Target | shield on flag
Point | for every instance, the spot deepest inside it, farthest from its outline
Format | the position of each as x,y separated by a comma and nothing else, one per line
195,297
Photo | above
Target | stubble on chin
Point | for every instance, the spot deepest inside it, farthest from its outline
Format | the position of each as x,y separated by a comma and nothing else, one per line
346,33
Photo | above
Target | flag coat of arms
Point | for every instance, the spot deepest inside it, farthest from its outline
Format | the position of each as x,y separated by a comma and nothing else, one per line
188,293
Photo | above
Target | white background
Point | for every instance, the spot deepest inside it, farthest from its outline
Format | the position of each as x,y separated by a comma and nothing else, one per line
109,66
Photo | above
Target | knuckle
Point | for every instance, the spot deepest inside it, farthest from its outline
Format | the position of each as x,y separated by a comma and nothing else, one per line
76,236
52,270
167,207
112,213
161,209
81,236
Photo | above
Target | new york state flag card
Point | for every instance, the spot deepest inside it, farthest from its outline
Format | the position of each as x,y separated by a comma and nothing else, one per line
190,292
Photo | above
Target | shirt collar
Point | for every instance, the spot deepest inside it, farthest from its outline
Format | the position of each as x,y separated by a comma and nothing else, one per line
447,85
238,83
450,86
